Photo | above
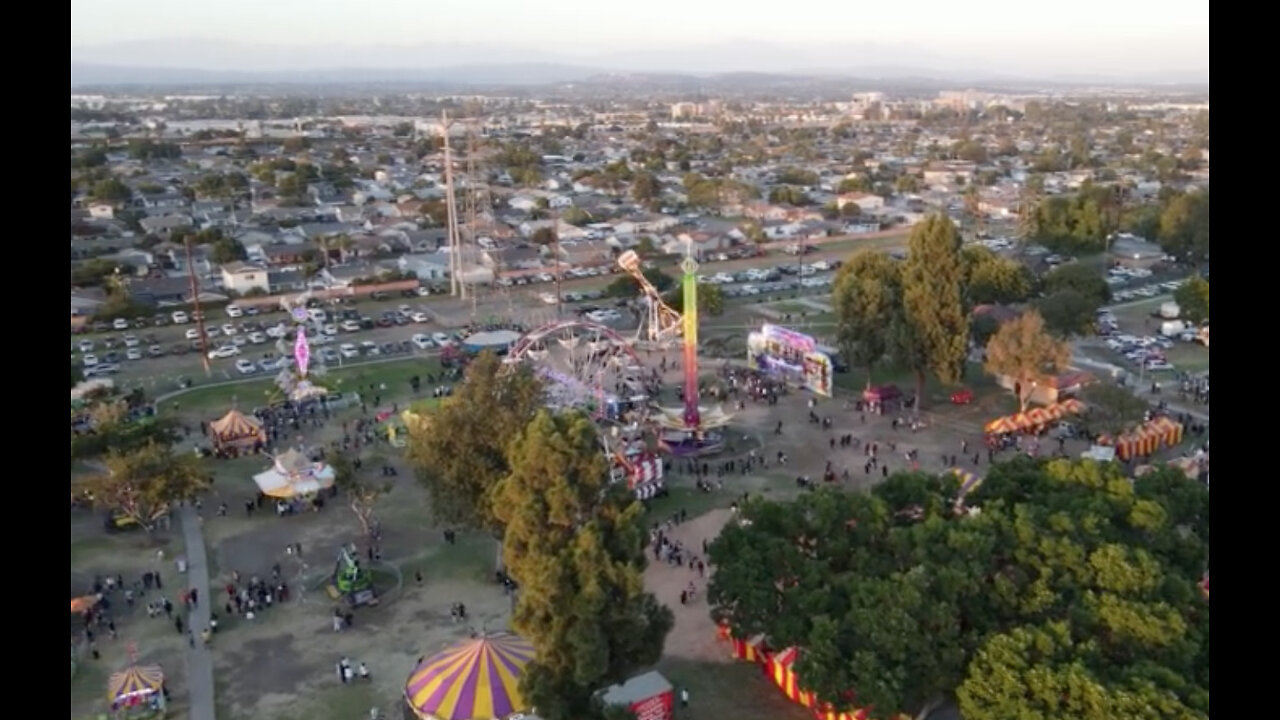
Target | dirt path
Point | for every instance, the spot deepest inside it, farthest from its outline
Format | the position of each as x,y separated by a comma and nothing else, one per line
694,635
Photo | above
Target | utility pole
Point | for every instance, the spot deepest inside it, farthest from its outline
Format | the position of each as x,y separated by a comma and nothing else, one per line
456,288
199,315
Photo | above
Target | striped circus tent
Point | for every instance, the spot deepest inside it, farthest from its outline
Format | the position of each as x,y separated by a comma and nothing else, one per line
1071,406
134,684
1000,426
1038,416
474,680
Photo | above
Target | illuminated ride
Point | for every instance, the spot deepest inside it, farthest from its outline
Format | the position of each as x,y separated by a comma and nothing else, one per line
299,380
691,430
660,325
585,366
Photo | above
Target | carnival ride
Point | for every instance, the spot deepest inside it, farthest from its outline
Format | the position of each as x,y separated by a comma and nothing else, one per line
585,366
351,582
137,691
689,431
237,433
292,474
660,324
474,680
300,380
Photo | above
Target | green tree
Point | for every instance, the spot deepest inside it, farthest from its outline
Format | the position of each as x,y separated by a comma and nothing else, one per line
866,297
77,373
1193,299
991,278
575,545
144,483
1025,352
111,190
933,299
1081,278
1067,313
459,451
226,250
789,195
710,299
362,495
854,184
645,187
1072,590
543,236
1110,409
576,216
797,176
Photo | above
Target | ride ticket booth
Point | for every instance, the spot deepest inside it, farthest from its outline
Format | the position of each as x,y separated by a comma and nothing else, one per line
648,696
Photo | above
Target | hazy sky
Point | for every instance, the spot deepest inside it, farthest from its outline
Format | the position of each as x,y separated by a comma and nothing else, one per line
1144,35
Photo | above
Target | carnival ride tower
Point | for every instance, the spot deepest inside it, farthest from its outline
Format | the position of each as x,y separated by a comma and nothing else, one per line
689,282
660,325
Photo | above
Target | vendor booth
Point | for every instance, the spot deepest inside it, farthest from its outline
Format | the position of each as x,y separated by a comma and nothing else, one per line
881,398
1035,418
1146,439
794,357
237,434
137,691
474,680
294,475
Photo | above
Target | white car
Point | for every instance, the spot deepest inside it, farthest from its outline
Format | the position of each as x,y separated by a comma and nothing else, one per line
277,331
180,318
120,324
423,291
225,351
329,329
422,342
441,339
212,331
234,311
86,346
193,334
350,326
239,341
89,360
229,329
419,317
348,350
246,367
257,338
822,265
133,354
548,298
130,341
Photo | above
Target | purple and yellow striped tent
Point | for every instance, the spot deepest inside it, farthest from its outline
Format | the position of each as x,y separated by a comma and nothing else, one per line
475,680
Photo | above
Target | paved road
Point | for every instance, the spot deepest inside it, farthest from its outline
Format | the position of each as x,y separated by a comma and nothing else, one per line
199,659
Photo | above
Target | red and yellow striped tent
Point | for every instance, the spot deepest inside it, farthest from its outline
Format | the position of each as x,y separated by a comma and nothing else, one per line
1000,426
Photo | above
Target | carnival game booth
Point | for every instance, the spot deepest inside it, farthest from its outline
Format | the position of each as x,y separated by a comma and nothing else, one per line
791,356
779,666
1034,419
137,692
1146,439
882,398
294,475
237,434
474,680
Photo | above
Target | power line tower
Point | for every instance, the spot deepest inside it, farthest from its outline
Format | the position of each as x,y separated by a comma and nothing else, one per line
456,287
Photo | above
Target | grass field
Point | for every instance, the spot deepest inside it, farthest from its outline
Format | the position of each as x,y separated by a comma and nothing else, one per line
395,374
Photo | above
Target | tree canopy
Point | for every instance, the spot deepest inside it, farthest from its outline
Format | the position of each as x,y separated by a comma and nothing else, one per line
575,545
1184,227
990,278
459,451
1193,299
1023,350
933,299
143,484
1110,409
866,297
710,299
1068,592
1081,278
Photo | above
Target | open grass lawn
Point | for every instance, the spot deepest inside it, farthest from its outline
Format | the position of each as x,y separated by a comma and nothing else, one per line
737,690
1190,357
395,374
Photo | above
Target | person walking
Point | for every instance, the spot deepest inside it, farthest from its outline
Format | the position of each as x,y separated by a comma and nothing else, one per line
684,698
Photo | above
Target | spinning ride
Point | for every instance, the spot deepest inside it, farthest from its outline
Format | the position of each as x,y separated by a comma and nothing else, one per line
689,431
660,324
299,380
585,366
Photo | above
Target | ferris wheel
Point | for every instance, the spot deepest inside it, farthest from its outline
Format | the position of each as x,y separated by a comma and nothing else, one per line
585,366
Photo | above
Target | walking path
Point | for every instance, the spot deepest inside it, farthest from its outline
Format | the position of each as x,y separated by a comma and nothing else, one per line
199,659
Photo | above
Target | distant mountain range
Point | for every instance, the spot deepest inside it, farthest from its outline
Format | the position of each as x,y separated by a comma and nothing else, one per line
222,62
